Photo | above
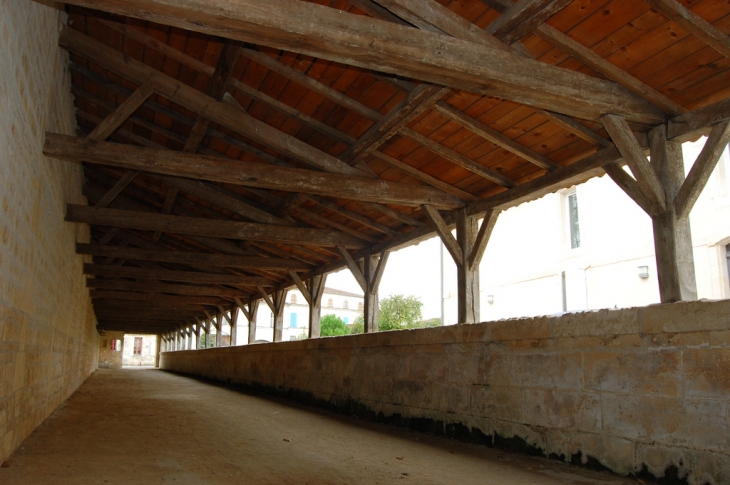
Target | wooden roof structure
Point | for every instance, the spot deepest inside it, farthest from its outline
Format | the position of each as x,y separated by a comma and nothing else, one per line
235,148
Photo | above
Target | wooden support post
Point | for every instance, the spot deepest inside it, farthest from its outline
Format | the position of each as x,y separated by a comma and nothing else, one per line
250,311
368,277
316,290
277,308
672,235
467,250
234,326
189,332
198,327
207,333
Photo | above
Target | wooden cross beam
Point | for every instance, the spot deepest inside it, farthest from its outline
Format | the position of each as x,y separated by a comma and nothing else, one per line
192,258
171,275
247,231
154,287
245,173
373,44
368,276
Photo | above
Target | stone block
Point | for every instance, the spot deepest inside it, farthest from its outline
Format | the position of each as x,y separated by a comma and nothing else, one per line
557,370
655,372
685,316
595,323
520,329
707,373
694,423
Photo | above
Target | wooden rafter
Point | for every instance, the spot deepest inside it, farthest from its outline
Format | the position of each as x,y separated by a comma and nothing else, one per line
396,49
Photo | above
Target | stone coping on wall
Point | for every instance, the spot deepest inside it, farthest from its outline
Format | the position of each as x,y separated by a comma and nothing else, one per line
660,319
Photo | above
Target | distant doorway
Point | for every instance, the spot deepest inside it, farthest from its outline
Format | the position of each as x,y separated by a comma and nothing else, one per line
139,350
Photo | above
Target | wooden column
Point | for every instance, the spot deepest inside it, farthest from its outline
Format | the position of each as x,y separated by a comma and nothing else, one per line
368,275
198,327
312,292
231,321
467,250
660,188
234,326
672,234
189,332
250,311
207,333
277,308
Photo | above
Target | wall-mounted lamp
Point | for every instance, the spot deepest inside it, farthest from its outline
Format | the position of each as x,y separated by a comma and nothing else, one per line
490,299
643,272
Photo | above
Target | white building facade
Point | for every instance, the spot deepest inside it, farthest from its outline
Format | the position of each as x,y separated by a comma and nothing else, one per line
591,247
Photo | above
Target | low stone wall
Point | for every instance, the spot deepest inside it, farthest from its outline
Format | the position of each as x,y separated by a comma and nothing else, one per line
636,390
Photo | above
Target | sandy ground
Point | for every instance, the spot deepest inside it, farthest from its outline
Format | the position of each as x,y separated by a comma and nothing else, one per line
145,426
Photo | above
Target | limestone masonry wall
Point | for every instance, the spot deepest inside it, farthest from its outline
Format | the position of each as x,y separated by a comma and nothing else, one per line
641,389
48,340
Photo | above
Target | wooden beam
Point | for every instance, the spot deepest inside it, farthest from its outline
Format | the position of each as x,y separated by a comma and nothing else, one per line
633,154
157,287
244,173
121,113
585,55
170,275
312,84
482,238
575,173
191,258
495,137
166,208
217,88
203,105
302,287
417,101
316,290
523,17
121,184
629,185
247,231
444,233
457,158
694,24
354,268
696,123
701,170
384,46
156,297
673,246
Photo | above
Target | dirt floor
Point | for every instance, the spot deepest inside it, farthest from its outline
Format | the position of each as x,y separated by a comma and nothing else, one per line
145,426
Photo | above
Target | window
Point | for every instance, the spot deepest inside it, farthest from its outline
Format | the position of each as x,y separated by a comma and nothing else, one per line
293,320
137,345
573,223
293,299
345,305
116,345
330,303
346,320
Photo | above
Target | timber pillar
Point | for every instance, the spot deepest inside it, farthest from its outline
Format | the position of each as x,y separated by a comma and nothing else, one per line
466,250
276,304
312,291
368,273
660,188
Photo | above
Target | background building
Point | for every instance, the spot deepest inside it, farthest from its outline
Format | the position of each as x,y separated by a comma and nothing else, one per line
591,247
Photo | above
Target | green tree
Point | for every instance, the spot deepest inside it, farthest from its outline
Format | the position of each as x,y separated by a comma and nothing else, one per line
358,326
332,326
432,322
398,312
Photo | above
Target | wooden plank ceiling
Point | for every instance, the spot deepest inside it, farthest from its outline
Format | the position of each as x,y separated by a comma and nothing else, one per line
243,162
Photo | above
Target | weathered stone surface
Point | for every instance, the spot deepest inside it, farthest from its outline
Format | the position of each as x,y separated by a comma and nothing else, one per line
48,340
632,372
619,398
707,372
685,316
603,323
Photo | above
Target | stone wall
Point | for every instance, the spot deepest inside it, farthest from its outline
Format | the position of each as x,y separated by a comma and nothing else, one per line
636,390
111,350
48,341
